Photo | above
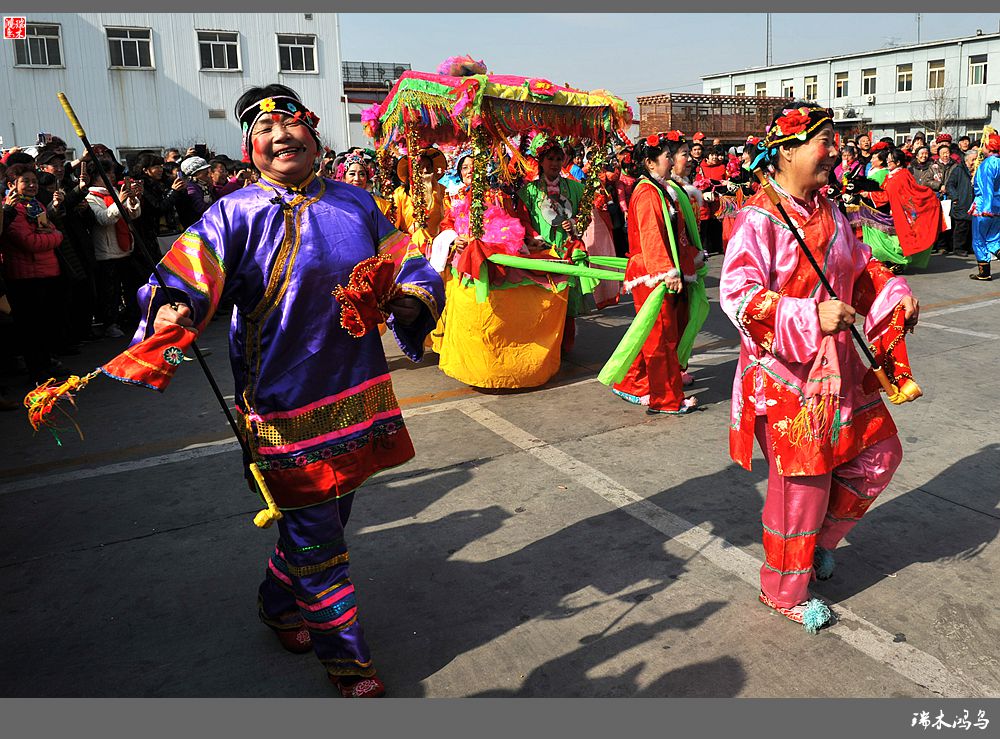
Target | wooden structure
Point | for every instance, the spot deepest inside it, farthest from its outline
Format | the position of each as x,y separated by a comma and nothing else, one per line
731,118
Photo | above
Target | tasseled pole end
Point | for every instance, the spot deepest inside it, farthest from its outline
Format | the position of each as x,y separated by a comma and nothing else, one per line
270,514
44,399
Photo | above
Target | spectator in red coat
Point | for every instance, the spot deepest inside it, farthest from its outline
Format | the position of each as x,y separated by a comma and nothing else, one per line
31,269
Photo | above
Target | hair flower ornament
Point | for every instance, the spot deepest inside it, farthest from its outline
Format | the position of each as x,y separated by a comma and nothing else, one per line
794,122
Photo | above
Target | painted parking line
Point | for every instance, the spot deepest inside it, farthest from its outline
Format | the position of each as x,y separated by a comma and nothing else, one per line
958,308
954,330
913,664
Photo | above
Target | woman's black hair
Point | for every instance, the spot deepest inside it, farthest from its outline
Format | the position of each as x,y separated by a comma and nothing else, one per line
148,160
643,151
46,179
881,154
719,150
16,170
899,155
459,162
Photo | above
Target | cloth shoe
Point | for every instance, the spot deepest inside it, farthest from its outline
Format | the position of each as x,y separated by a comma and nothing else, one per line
355,687
823,563
813,614
983,272
687,405
687,379
297,641
629,398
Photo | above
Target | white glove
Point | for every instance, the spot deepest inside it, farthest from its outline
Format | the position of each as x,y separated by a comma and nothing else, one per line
709,196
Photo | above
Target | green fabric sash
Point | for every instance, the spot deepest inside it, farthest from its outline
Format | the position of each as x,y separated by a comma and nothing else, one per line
631,344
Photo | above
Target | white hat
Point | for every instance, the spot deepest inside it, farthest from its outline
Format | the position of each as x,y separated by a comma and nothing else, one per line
193,165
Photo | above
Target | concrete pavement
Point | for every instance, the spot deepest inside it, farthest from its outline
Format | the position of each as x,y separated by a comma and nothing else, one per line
556,542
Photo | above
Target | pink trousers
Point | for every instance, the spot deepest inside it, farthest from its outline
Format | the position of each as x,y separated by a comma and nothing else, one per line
801,513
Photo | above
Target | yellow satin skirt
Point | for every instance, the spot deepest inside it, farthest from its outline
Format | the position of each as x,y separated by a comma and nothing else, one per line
512,340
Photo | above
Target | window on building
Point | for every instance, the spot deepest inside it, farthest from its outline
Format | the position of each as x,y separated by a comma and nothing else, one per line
41,47
904,77
812,87
220,50
130,48
867,81
787,89
901,138
760,89
975,137
716,90
840,84
935,74
296,53
977,70
740,90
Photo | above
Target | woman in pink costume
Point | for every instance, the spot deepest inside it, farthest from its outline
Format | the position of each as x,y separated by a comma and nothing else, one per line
801,388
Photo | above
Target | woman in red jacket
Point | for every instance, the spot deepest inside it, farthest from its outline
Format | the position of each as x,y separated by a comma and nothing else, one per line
660,250
32,273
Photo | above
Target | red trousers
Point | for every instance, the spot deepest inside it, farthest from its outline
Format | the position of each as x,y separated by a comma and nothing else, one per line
801,513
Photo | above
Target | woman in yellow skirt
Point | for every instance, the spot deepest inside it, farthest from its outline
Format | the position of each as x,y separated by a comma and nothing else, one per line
511,339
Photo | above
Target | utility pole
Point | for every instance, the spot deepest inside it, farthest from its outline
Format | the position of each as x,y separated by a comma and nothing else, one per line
768,59
918,28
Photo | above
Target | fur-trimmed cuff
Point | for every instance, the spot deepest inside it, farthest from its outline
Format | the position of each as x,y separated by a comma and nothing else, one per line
650,281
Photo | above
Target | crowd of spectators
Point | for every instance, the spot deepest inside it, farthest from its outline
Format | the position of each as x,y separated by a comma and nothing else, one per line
69,265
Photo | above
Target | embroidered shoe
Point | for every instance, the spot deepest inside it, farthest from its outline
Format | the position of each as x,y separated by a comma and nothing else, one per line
629,398
813,614
296,640
823,563
354,687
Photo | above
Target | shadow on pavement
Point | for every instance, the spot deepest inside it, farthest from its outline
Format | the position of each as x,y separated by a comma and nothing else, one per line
567,676
951,519
430,605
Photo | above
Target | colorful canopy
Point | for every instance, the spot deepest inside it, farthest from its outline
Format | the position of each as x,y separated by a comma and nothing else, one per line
447,109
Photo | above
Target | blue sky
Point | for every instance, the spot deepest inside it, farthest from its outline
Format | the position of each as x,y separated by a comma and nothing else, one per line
634,54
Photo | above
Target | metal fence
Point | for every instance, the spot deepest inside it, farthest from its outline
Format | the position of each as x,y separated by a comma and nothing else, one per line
376,74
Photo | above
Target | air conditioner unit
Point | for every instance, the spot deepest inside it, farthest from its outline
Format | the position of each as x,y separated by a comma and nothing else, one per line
838,114
870,99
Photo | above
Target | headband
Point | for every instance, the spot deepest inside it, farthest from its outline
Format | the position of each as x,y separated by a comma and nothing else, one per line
354,158
275,106
792,126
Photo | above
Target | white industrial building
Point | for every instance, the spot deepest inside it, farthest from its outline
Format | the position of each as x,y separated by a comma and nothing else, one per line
156,80
938,86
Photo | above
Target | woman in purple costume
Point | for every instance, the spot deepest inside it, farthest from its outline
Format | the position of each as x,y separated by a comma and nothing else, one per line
316,402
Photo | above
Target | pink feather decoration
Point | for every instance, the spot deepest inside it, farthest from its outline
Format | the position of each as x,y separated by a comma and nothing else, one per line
499,228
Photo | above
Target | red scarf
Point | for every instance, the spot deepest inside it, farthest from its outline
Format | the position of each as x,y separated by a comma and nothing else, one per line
122,233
